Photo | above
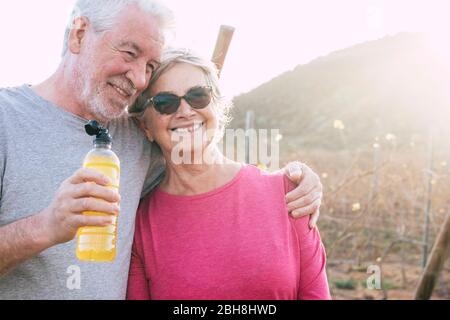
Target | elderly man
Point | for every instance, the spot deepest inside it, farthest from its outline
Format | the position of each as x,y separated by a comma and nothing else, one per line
111,49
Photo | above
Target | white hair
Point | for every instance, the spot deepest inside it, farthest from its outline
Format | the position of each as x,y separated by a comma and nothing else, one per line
103,13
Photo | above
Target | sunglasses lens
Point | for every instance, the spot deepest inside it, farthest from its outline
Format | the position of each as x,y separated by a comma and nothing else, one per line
166,103
199,98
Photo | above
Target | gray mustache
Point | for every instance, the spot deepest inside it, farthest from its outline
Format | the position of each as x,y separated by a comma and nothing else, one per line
126,86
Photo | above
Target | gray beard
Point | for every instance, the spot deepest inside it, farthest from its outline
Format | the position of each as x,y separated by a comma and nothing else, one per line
98,108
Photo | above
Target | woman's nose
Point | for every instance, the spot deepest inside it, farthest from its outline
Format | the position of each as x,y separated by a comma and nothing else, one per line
185,110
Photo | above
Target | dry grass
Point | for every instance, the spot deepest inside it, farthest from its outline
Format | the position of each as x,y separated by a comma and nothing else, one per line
374,214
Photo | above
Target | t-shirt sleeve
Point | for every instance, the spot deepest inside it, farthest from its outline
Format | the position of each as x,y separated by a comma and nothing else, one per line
313,283
138,286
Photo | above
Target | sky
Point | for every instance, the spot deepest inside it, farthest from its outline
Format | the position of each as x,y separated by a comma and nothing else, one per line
271,37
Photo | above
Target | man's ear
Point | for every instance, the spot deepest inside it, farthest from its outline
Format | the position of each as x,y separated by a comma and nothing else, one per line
143,126
77,34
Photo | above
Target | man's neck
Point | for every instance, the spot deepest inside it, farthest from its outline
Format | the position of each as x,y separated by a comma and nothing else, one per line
60,90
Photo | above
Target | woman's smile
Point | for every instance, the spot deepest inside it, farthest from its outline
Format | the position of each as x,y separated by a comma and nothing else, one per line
190,128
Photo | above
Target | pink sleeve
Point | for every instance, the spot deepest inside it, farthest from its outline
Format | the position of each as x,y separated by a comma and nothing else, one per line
138,288
313,278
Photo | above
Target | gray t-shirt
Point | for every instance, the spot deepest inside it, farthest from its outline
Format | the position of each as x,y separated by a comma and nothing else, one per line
42,145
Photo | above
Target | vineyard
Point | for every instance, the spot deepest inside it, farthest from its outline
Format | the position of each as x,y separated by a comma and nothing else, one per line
374,213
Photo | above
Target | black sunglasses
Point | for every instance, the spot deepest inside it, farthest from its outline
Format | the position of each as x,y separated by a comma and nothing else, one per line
169,103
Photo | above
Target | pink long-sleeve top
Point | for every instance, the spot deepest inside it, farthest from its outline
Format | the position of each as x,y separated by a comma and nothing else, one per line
234,243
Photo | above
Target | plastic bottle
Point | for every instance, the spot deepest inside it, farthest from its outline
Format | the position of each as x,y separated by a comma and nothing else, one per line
98,244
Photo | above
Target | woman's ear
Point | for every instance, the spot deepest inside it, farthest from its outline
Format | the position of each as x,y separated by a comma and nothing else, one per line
148,132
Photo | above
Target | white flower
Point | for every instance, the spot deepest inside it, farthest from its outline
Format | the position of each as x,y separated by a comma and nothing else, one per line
390,137
339,125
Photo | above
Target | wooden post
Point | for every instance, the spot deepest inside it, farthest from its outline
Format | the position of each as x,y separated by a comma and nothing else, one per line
428,201
438,256
223,44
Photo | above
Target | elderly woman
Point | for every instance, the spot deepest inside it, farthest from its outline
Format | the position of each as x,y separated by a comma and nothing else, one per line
214,229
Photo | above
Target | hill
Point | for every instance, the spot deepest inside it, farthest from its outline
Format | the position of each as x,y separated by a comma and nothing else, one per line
397,85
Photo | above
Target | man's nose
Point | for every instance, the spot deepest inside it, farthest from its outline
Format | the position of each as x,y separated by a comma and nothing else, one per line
139,76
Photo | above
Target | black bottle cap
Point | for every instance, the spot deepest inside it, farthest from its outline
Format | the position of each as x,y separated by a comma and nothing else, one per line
93,128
